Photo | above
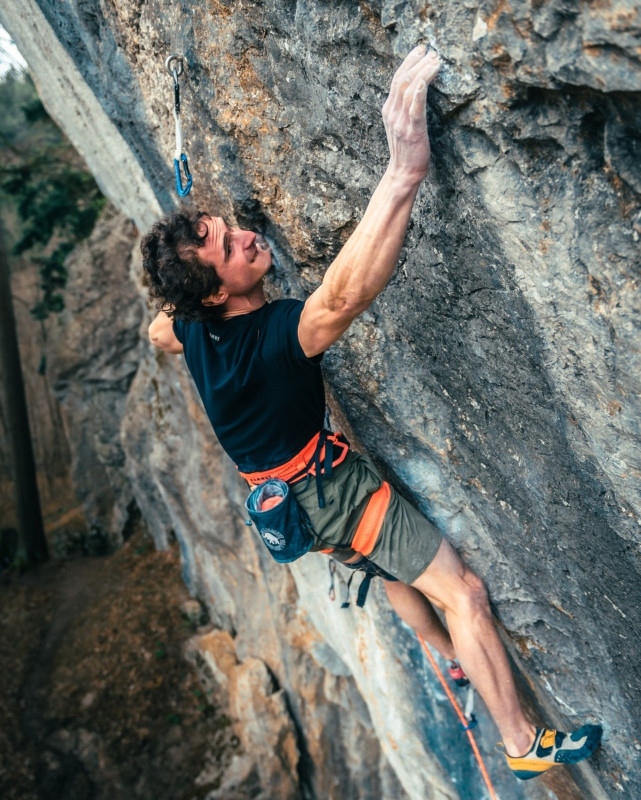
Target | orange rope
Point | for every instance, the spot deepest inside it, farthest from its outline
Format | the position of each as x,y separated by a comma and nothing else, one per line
464,722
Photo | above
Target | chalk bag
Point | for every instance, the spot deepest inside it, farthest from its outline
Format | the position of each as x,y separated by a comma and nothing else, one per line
282,523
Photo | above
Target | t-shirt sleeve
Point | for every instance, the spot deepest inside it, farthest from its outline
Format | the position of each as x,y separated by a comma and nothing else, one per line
281,343
179,330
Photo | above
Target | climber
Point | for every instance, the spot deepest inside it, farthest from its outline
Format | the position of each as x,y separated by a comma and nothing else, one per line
256,366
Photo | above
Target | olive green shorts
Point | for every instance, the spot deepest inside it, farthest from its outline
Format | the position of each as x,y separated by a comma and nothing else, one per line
407,542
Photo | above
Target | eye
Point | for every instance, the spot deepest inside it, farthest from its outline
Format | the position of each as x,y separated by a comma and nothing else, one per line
227,245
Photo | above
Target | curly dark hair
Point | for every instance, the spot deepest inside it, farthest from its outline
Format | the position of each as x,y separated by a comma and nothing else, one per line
176,279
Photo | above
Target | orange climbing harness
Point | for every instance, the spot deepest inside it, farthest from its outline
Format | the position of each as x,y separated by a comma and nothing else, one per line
464,722
317,458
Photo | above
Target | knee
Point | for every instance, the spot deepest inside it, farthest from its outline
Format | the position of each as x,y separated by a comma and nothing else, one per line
472,598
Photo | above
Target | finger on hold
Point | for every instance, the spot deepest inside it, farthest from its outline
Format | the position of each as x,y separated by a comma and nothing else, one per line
413,56
408,69
411,59
416,68
417,109
405,74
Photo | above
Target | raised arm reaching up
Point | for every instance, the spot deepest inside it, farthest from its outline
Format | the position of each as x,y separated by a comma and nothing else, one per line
366,262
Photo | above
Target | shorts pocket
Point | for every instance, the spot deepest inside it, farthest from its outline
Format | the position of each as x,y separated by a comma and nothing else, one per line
345,494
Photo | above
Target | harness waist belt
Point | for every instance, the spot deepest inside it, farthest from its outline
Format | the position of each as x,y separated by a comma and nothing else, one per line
304,462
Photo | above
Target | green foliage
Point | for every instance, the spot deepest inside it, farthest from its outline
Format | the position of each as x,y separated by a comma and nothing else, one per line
161,651
44,182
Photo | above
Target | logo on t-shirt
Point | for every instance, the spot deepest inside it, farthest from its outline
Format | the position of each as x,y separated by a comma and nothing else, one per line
214,337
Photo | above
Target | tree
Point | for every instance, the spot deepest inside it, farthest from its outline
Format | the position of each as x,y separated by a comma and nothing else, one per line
32,544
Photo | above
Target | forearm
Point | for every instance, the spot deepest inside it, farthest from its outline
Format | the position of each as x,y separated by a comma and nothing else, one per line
366,262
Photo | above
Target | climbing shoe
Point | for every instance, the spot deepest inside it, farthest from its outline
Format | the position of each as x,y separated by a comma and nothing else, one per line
455,671
551,748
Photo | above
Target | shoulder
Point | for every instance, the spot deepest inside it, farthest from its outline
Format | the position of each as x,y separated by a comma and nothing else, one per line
284,314
284,307
282,323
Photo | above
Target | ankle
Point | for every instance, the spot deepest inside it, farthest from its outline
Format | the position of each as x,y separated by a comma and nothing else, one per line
521,743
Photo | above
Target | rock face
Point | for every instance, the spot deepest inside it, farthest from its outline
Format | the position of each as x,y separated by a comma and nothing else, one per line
497,380
94,349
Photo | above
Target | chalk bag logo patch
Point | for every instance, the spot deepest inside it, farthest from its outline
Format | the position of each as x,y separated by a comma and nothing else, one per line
273,539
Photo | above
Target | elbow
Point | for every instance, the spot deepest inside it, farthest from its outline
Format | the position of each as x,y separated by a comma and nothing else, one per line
352,308
154,338
357,306
161,335
348,304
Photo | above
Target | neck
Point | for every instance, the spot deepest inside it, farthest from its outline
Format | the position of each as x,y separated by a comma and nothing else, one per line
245,304
239,312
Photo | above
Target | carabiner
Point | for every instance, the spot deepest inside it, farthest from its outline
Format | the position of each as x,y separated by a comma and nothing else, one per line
472,722
183,191
468,713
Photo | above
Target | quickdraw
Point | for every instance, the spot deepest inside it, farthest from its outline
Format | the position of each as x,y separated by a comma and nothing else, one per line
174,66
472,721
332,579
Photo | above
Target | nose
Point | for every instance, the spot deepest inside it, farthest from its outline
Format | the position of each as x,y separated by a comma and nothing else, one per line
246,238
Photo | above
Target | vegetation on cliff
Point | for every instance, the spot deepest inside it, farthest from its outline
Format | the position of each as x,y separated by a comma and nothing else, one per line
50,199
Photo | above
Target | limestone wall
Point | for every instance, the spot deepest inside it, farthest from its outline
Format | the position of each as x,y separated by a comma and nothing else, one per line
496,380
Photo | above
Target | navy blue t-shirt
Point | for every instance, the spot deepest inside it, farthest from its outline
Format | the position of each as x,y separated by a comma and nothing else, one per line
264,397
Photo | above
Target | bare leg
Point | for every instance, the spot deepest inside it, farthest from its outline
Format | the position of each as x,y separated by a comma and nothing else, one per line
416,610
451,586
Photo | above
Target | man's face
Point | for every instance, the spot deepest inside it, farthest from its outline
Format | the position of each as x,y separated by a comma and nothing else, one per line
240,258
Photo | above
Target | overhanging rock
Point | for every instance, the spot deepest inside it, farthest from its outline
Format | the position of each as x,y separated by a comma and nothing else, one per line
497,379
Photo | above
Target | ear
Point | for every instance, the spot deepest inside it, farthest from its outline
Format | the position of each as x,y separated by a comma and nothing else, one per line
216,299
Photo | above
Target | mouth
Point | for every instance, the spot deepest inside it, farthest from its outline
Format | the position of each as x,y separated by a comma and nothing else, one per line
261,244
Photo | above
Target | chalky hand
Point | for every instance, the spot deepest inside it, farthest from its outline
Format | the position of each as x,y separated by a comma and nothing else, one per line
404,114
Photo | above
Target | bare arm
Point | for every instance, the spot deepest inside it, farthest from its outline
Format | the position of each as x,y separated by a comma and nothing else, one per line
162,336
366,262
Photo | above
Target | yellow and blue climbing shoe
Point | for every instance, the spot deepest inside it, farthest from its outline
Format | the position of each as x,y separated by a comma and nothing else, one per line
552,748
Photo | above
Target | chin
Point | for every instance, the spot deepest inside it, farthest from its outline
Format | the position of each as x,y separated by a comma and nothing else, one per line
266,262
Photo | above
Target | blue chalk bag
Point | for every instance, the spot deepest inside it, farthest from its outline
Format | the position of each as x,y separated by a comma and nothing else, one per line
284,525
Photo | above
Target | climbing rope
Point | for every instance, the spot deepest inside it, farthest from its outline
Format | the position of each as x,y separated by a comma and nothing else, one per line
466,724
174,66
467,718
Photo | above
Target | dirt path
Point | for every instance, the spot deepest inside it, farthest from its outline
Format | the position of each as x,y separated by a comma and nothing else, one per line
96,698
